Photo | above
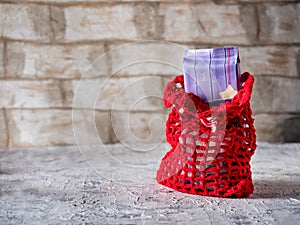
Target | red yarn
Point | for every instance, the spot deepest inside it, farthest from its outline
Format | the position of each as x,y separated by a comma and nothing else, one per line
211,145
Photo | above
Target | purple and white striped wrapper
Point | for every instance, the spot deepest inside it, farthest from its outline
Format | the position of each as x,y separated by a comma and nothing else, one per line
207,72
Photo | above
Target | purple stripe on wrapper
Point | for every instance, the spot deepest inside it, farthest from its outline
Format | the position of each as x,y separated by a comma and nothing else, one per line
209,73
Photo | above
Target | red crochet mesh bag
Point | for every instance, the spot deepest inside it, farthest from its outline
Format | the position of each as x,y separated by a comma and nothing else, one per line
211,145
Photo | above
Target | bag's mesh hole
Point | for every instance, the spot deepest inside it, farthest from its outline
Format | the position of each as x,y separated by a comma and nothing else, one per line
199,159
198,174
203,135
198,151
209,173
199,143
212,143
242,149
210,166
210,188
223,164
209,181
234,164
209,158
211,151
193,133
223,172
199,190
180,140
189,141
197,182
222,150
188,150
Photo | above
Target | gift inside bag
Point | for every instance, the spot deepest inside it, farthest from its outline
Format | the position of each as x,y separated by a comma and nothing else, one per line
212,74
211,144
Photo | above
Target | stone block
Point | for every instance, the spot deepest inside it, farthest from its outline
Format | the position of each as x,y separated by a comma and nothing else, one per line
291,128
30,94
51,127
270,60
146,58
279,23
25,22
92,127
146,21
206,23
270,127
56,61
134,93
100,23
116,93
276,95
138,128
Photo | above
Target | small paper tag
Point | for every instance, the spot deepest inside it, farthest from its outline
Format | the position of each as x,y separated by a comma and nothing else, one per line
229,93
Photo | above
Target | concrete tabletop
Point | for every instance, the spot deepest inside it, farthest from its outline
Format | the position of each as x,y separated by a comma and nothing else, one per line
114,185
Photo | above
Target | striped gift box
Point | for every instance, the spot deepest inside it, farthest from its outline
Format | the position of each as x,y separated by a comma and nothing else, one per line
212,74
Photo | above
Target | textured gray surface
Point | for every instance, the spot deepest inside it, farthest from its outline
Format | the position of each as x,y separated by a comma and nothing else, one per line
56,186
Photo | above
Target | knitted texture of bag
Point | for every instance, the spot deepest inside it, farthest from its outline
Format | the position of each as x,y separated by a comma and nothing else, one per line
211,145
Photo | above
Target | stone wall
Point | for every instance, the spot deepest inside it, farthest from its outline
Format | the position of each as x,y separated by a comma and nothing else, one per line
47,45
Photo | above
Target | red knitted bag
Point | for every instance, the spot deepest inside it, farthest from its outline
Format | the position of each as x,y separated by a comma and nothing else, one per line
211,145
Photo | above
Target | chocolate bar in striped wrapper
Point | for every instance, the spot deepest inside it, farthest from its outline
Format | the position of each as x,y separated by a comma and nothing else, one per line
212,74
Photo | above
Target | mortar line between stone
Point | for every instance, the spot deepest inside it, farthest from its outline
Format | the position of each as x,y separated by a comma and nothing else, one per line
118,77
113,3
5,59
86,109
52,35
258,25
127,41
6,128
108,58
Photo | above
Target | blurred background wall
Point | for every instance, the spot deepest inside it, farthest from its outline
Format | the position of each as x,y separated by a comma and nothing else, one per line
46,47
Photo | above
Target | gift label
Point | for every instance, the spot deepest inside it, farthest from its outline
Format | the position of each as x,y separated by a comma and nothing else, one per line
229,93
